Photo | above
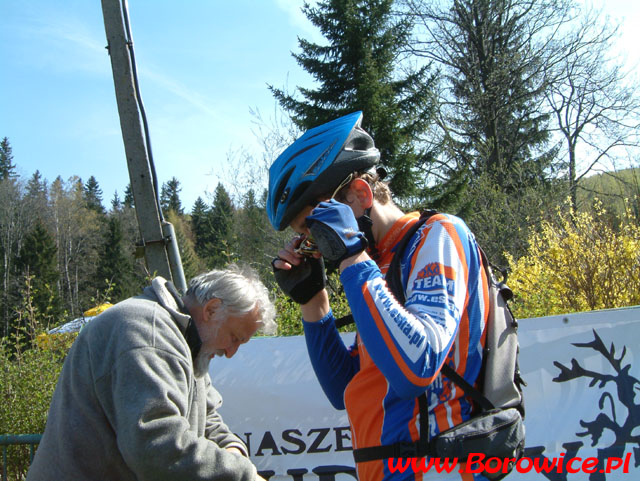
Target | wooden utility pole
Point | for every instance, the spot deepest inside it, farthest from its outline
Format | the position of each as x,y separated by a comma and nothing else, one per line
159,240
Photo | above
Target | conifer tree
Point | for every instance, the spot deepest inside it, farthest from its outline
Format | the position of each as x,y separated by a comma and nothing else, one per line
116,203
37,263
220,247
360,69
251,222
192,265
170,196
93,195
115,268
37,186
201,226
496,57
7,167
128,196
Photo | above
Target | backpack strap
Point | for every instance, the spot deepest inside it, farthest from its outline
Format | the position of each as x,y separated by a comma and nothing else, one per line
418,449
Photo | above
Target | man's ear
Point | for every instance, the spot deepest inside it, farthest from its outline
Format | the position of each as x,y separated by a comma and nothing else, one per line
361,190
210,307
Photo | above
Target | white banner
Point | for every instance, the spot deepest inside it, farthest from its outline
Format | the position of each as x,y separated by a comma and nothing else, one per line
582,403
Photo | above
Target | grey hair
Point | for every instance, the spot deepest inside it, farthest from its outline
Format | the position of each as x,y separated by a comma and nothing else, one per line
239,289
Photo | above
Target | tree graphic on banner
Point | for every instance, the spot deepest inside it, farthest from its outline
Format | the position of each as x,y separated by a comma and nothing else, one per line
625,386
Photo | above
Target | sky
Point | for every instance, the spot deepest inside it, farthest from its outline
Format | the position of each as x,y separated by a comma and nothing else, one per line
203,67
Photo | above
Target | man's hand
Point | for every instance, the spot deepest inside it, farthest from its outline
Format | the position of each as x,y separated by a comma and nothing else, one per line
234,450
300,277
335,229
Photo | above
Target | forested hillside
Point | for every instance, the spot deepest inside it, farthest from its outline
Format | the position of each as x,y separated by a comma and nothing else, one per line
499,112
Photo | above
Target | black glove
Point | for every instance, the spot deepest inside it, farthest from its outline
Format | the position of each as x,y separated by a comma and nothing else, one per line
303,281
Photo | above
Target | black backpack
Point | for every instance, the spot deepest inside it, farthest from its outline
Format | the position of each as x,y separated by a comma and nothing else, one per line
497,429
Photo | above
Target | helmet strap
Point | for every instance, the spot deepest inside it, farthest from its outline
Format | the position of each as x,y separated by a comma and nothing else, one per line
365,225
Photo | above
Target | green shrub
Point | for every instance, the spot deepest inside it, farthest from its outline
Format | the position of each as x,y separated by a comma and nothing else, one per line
27,381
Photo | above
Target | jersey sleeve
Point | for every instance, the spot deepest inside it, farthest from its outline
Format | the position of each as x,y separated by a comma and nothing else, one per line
334,363
410,342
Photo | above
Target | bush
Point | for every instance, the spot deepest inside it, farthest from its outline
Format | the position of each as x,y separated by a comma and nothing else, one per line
579,262
27,381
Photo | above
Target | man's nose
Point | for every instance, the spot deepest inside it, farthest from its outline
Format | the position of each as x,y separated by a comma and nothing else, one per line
230,351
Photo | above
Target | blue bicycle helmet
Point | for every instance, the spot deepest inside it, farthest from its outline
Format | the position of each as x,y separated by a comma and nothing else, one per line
315,164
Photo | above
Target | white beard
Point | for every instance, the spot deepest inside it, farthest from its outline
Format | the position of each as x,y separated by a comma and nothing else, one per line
201,364
202,360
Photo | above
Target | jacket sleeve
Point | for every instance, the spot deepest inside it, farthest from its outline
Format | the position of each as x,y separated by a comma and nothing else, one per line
410,342
333,363
146,398
216,430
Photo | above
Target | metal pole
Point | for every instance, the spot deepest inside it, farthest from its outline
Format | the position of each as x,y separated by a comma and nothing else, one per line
147,209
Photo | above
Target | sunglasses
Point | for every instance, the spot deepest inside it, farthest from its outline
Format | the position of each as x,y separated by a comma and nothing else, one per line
308,246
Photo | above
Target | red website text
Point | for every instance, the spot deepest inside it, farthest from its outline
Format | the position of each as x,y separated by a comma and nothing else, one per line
478,463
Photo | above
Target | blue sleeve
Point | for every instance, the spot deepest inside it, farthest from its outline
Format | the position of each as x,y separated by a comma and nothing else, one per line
332,362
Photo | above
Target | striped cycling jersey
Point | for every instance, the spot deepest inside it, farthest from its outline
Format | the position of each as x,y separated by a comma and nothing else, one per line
400,349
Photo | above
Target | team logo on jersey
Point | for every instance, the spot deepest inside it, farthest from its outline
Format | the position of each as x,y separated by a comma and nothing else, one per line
435,276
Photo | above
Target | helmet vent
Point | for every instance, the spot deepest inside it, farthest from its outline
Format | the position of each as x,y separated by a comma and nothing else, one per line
283,191
315,166
359,140
285,195
298,153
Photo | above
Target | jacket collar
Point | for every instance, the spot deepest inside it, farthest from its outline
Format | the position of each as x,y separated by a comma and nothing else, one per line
170,299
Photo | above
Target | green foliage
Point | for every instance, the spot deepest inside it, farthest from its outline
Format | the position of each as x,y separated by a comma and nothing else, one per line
502,222
252,231
37,264
115,266
289,317
192,265
219,247
93,195
170,196
128,197
492,54
360,69
617,191
578,262
27,381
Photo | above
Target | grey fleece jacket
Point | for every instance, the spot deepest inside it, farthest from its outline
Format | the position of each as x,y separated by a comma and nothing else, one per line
128,406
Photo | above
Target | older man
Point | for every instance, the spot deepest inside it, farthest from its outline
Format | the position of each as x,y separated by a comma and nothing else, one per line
134,400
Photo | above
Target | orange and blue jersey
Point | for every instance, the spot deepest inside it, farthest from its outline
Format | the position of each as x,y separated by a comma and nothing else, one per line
400,349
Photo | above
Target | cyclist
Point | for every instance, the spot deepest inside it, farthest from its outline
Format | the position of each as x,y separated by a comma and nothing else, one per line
326,187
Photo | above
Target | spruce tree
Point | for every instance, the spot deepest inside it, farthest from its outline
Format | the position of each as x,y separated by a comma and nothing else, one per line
128,197
360,69
201,226
115,268
495,59
37,263
37,194
251,221
116,203
7,167
170,196
93,195
221,246
192,265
